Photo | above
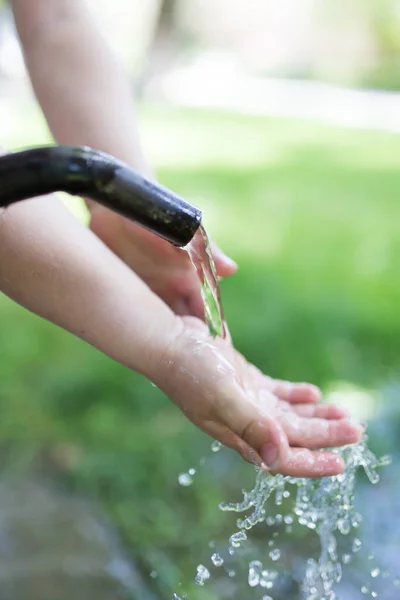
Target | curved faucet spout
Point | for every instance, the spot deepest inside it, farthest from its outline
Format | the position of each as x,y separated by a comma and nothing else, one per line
82,171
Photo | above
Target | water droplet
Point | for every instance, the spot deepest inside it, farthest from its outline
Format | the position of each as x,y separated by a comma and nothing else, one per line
374,594
356,520
396,581
346,559
371,473
176,597
344,526
266,598
185,480
153,574
255,568
235,541
192,472
231,573
270,521
217,560
203,574
271,543
288,519
365,589
356,546
212,544
286,494
216,446
267,579
275,554
371,556
375,572
385,460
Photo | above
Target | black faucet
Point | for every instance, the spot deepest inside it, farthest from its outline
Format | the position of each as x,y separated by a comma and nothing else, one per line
81,171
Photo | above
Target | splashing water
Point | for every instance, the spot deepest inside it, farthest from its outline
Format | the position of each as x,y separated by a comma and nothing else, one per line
325,505
203,574
185,479
217,560
200,254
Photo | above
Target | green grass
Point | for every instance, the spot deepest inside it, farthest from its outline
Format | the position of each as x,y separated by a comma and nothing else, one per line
311,214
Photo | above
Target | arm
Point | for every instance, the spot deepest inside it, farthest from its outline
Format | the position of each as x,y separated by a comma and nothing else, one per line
80,84
61,271
87,100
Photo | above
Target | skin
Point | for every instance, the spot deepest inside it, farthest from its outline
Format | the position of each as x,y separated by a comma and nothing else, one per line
123,290
276,424
60,270
87,100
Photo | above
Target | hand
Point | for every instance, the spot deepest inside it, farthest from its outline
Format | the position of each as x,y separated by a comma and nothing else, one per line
167,270
277,424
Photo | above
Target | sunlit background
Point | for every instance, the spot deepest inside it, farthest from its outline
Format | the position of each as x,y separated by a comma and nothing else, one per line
282,121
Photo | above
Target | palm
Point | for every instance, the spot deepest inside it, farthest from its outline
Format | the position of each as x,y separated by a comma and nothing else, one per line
166,269
235,403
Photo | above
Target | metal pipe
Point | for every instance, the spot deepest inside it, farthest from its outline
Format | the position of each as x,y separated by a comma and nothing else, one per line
82,171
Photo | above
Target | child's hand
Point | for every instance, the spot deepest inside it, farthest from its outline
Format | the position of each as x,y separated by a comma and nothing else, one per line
267,421
166,269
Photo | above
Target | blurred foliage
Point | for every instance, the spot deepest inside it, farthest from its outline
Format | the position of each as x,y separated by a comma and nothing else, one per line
311,215
385,25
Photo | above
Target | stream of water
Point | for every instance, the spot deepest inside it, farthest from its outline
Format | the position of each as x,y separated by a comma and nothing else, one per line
200,254
324,505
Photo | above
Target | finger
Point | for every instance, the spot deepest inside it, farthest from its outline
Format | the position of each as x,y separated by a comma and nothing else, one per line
306,463
321,411
253,425
293,392
319,433
268,440
231,440
224,265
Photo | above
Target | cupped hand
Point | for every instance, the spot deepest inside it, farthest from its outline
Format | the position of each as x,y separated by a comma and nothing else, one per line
167,270
277,424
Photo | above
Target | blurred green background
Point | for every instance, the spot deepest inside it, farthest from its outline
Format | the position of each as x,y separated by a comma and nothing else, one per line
311,213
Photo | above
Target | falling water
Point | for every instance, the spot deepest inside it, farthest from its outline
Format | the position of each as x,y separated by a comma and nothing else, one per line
200,254
324,505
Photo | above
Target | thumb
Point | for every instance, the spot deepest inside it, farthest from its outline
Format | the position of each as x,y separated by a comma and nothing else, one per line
258,430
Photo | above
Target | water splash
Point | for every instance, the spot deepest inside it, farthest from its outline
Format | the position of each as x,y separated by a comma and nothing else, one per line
216,446
185,479
200,254
325,505
203,574
217,560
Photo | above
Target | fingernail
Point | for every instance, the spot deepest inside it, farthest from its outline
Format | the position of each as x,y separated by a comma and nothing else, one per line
229,261
270,455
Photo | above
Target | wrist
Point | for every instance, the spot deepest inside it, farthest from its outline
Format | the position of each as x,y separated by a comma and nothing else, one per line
163,358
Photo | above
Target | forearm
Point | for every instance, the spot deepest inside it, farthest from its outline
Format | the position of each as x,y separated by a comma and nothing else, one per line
79,83
58,269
